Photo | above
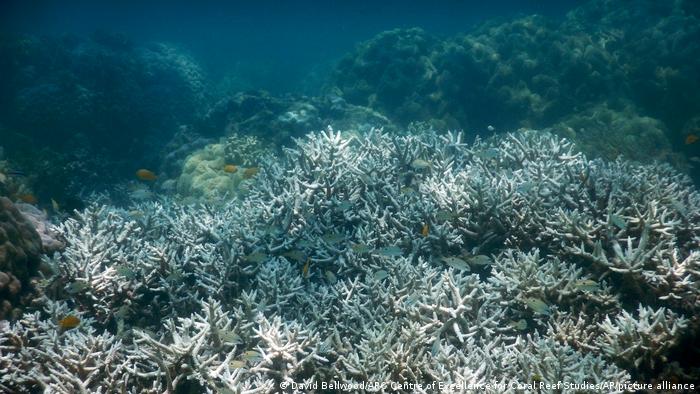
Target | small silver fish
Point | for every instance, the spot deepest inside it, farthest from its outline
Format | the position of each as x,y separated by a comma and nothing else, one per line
252,356
237,364
618,221
390,251
420,164
456,263
537,305
360,248
126,272
525,187
444,215
520,325
333,238
480,260
296,255
586,285
175,276
488,154
231,337
407,190
435,349
380,275
76,287
55,206
255,257
330,276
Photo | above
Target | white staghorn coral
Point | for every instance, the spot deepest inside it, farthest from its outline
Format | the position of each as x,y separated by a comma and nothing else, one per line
409,259
641,340
38,351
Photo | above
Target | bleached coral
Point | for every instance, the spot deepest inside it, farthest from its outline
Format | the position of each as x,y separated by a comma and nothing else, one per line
391,258
37,351
642,339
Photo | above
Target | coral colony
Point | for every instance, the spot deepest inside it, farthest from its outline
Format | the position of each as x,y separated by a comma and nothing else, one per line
363,262
506,209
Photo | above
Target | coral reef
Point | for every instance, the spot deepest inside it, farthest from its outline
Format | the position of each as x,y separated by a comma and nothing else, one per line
94,105
610,131
20,254
396,259
50,240
204,174
252,124
535,72
280,119
393,72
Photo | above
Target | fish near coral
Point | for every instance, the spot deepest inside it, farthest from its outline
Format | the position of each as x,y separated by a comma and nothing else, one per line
456,263
297,255
28,198
586,285
305,269
146,175
691,139
360,248
333,238
68,323
230,168
255,257
537,305
380,275
55,206
425,230
420,164
390,251
250,172
479,260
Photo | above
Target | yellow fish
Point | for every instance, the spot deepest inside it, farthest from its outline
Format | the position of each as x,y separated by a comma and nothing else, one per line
305,268
425,230
146,175
28,198
230,168
69,322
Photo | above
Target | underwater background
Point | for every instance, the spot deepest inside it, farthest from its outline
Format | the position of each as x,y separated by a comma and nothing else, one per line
349,196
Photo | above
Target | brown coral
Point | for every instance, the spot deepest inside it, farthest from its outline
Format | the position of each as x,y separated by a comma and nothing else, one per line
20,250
